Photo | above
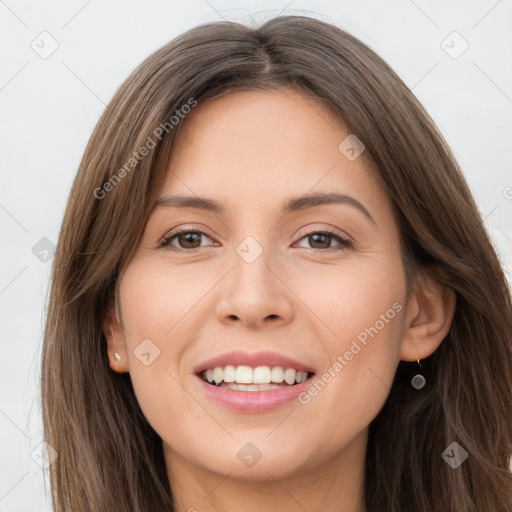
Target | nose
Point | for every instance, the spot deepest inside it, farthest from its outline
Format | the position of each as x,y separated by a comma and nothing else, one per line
256,294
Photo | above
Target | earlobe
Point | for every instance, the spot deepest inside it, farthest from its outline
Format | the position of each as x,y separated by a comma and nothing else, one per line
431,309
116,346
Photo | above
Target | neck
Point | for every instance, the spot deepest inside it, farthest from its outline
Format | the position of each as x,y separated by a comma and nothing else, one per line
333,485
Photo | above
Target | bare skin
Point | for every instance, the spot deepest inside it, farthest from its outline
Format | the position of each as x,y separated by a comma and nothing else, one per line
307,297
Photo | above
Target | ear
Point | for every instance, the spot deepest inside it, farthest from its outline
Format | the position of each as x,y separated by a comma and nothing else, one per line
115,339
429,316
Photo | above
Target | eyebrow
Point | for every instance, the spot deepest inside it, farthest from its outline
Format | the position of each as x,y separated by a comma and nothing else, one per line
291,205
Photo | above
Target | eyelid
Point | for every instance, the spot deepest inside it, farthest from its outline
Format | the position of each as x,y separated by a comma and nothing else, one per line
316,229
177,230
345,241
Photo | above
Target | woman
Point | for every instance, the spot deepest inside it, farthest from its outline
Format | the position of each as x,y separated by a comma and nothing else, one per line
273,290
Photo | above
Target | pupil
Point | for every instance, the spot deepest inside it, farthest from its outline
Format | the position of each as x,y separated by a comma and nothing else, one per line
314,237
189,238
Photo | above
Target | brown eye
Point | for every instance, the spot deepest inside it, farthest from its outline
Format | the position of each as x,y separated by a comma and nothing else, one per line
186,239
322,240
191,240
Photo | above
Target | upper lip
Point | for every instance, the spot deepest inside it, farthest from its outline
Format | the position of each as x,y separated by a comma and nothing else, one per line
254,359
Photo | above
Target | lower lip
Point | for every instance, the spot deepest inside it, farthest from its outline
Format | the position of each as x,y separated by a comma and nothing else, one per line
253,401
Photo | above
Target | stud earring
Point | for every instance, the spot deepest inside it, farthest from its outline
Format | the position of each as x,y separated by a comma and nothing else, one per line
117,357
418,381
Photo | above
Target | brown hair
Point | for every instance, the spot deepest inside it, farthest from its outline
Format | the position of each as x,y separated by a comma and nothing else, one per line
109,456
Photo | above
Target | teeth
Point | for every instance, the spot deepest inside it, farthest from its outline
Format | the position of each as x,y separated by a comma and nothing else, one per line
277,374
243,374
253,379
229,373
289,376
262,375
218,375
301,377
249,387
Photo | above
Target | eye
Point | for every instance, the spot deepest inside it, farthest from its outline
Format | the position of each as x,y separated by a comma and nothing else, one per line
186,238
321,239
191,240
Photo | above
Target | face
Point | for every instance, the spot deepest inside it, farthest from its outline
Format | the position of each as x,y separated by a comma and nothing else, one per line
316,289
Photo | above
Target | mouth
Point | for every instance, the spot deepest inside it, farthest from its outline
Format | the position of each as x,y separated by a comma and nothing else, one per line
253,379
254,382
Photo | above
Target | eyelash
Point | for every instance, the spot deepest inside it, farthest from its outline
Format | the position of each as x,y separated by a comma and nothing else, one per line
344,242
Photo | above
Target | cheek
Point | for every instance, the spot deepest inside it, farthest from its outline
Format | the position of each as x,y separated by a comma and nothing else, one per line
347,299
158,301
362,307
154,311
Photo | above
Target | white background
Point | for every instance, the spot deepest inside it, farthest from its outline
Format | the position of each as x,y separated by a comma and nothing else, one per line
49,108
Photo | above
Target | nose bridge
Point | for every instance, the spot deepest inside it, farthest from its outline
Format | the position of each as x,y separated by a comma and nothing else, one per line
254,292
251,263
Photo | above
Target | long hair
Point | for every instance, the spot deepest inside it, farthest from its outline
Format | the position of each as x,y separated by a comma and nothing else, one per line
109,457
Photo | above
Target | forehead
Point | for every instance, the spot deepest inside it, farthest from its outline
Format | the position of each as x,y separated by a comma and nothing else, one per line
260,146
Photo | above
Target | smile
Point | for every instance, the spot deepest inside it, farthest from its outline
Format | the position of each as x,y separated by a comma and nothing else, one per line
260,378
253,382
